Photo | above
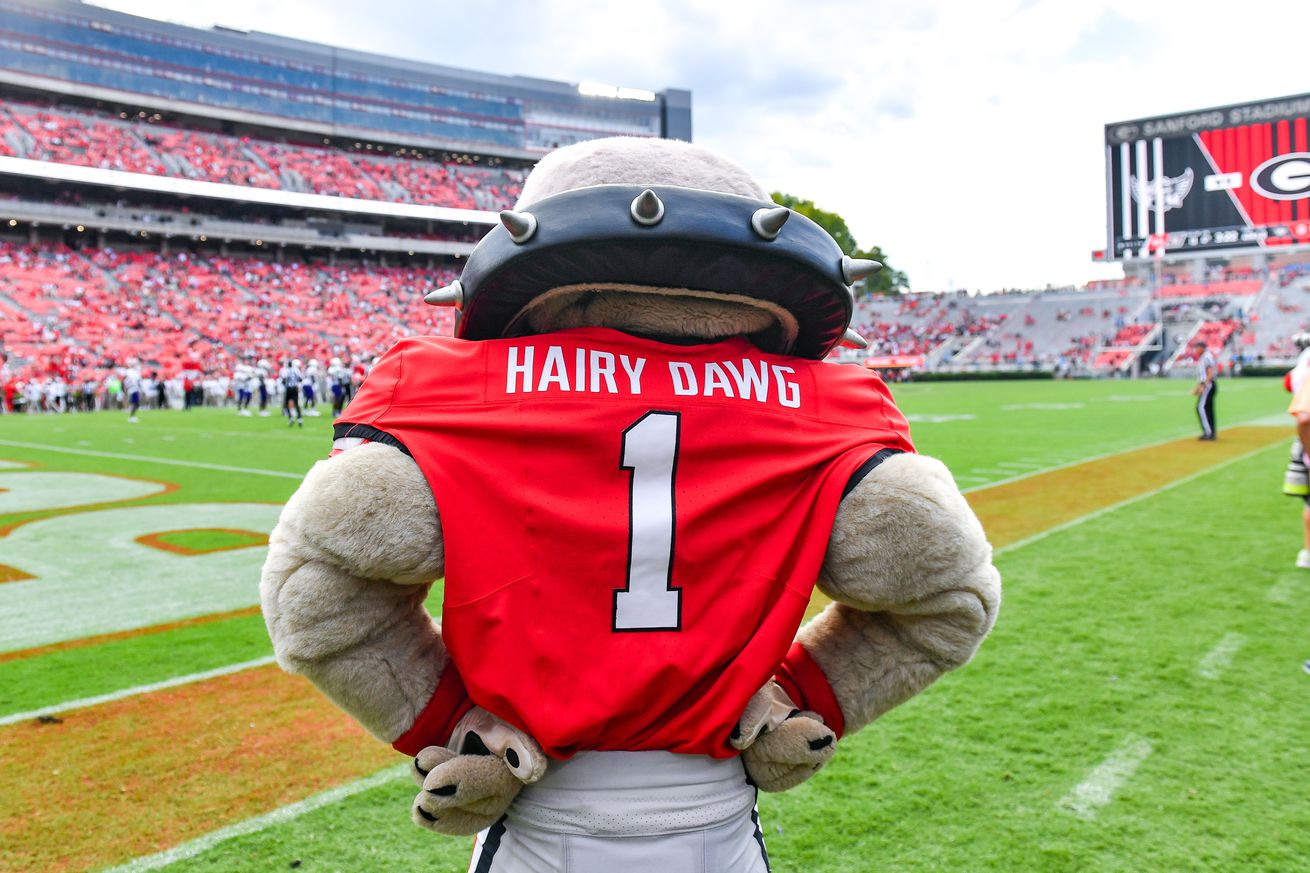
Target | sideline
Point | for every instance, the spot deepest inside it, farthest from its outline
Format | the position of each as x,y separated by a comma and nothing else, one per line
1264,421
68,705
200,465
1128,501
1096,790
260,822
54,709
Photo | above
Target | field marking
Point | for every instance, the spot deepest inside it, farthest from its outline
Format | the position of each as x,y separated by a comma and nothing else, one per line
201,465
1055,407
146,586
1254,422
1220,658
1129,501
1098,788
82,703
1084,800
998,552
938,418
259,823
1284,588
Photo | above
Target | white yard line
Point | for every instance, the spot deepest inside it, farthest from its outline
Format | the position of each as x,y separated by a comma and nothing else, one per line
1095,791
1220,658
1083,801
153,460
234,668
1284,588
1136,498
66,706
261,822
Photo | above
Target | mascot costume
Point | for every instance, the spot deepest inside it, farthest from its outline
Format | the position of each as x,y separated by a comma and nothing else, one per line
632,467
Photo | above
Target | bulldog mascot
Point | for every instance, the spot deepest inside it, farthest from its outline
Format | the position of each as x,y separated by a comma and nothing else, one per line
632,466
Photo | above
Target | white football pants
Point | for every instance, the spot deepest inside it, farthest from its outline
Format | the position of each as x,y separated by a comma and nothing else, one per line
629,812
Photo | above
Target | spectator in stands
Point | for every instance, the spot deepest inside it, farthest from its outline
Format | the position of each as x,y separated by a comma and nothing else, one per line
1207,371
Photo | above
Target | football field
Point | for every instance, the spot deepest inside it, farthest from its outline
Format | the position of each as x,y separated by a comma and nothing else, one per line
1140,705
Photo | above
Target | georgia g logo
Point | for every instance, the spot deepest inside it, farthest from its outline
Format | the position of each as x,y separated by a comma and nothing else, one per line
1286,177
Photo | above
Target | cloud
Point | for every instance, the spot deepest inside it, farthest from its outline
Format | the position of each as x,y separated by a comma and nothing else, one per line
963,136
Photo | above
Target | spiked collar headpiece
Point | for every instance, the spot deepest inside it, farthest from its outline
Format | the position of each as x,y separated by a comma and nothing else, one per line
664,237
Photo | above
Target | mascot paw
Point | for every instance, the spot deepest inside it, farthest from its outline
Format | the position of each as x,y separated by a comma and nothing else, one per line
470,782
791,753
462,794
781,746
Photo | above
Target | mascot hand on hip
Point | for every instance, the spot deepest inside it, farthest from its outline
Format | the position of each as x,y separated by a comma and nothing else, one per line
632,467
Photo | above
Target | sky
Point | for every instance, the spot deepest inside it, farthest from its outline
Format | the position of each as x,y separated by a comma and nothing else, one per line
964,137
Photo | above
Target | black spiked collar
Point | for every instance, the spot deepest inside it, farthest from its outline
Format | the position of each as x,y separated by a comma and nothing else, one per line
665,237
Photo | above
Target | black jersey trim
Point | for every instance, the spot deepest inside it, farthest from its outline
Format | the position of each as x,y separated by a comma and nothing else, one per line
490,846
759,835
866,468
368,432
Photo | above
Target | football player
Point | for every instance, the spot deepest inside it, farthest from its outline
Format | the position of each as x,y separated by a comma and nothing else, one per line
339,378
313,375
263,376
132,389
292,378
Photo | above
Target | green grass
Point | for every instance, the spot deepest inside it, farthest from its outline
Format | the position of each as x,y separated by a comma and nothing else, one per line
200,540
1092,647
74,674
1099,639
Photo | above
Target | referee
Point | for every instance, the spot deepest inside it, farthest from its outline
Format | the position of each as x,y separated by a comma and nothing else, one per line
1206,388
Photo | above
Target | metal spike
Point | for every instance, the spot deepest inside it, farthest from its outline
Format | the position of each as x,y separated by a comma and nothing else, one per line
521,225
768,221
854,269
447,295
647,208
853,340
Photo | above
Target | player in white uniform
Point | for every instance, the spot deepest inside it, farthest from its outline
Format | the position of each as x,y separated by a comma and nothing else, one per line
313,375
242,380
132,390
339,379
292,378
263,371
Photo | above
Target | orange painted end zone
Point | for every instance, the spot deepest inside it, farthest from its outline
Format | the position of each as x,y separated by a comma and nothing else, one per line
1017,510
13,574
158,769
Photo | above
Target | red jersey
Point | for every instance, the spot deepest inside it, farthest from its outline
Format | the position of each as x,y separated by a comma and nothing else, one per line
632,529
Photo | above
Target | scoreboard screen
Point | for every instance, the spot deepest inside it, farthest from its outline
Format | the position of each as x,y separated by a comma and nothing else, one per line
1233,177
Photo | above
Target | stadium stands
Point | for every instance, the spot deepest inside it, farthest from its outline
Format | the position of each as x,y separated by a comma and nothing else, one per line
85,310
64,311
1125,346
141,146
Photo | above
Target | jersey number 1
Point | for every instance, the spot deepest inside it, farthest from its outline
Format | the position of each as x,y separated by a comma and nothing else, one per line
649,602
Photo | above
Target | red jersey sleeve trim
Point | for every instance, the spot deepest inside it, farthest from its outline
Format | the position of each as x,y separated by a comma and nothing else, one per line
436,722
803,680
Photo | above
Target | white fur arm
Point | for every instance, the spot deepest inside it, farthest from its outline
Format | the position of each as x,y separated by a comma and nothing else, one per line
916,592
349,565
